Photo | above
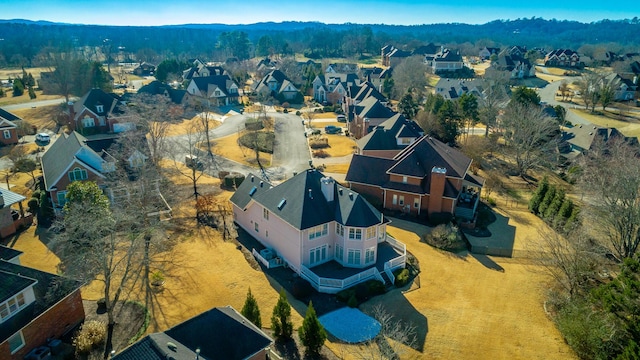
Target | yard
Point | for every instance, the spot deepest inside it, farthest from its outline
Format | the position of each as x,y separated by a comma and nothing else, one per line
229,148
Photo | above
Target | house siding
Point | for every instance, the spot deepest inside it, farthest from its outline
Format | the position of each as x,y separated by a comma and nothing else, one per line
13,139
410,180
64,181
386,154
281,234
57,321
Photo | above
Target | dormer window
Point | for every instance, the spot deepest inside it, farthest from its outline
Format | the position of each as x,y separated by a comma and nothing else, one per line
77,174
99,108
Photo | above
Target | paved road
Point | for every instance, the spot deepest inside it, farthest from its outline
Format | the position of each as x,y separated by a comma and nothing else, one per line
547,94
33,104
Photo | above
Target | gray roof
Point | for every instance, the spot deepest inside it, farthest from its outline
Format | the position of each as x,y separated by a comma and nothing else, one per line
9,198
220,333
158,88
61,153
384,136
15,278
4,114
426,153
583,136
305,205
7,253
96,97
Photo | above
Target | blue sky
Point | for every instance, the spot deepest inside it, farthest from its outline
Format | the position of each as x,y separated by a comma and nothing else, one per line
404,12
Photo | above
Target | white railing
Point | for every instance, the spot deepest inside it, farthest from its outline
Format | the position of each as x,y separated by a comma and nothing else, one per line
332,286
264,261
397,244
389,273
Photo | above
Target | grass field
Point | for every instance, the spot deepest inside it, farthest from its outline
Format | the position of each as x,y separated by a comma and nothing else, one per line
628,128
229,148
9,99
42,116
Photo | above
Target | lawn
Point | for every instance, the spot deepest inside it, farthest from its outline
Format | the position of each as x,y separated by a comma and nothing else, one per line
42,116
626,127
186,125
229,148
9,99
336,168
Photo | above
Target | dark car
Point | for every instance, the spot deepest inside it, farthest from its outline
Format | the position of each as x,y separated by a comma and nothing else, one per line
332,129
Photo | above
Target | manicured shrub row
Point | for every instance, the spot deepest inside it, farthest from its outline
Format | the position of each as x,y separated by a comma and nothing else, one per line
553,206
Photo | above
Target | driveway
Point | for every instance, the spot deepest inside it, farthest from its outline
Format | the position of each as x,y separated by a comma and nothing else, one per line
548,95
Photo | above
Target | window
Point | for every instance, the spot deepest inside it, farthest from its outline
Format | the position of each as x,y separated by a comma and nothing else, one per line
266,233
20,299
340,230
395,199
340,253
4,311
371,232
7,134
13,305
62,198
265,214
416,203
353,257
78,174
404,179
88,122
103,121
355,234
318,254
318,231
401,200
256,226
99,108
370,255
16,342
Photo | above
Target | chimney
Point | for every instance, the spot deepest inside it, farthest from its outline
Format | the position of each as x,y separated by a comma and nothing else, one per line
72,115
1,200
327,184
436,189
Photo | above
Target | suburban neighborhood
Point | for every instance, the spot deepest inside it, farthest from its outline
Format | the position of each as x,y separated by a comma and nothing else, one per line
274,195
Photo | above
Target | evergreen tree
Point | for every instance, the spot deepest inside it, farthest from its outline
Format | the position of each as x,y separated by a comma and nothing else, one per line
32,93
573,219
2,94
554,207
546,201
536,199
311,333
408,106
281,318
387,86
565,210
251,311
18,87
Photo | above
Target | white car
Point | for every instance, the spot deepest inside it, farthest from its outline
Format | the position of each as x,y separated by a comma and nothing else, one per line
43,137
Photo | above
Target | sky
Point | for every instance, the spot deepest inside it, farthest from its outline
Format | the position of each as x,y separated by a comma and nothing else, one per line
399,12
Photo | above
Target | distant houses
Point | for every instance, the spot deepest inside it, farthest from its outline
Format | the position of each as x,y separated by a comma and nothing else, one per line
276,84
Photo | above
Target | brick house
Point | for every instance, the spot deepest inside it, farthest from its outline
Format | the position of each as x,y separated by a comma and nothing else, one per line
220,333
389,138
366,115
97,112
424,178
8,128
563,58
35,307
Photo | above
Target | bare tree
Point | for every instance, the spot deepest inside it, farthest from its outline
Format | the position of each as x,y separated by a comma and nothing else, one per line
589,86
564,90
410,74
206,124
395,335
188,147
608,91
153,114
493,99
530,134
611,181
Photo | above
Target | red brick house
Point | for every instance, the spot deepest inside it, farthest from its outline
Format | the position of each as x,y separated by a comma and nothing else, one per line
426,177
35,307
8,129
97,112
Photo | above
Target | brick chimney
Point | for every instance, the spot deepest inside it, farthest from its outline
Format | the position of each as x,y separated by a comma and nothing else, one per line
436,189
327,184
72,115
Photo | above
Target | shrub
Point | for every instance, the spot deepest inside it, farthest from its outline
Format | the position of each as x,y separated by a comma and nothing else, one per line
233,180
301,289
548,198
251,311
34,205
492,202
319,143
222,174
402,277
102,304
36,194
376,287
538,195
443,236
353,301
298,113
281,318
361,291
91,334
345,295
320,154
440,218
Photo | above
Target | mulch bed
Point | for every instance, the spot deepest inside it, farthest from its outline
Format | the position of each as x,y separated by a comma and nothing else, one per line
129,318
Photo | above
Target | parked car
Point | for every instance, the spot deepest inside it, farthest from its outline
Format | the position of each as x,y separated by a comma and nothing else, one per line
193,162
332,129
341,118
43,137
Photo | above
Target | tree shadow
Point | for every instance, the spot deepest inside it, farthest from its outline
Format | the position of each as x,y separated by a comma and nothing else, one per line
488,262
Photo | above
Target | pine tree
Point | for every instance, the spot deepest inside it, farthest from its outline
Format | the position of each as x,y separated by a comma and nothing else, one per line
565,210
311,333
554,206
281,318
251,311
537,197
18,87
546,201
32,93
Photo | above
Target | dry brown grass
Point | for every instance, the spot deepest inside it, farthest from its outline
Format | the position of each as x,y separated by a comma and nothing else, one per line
336,168
628,128
42,116
229,148
24,98
320,124
186,125
340,145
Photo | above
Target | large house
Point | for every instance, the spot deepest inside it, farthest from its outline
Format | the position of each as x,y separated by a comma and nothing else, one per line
579,139
486,52
333,87
145,69
97,112
8,127
390,137
341,68
36,309
220,333
392,56
156,87
563,58
510,67
444,60
366,115
310,220
214,90
452,89
275,83
424,178
625,89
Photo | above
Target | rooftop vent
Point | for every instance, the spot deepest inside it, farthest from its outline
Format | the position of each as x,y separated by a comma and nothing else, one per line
281,204
252,179
172,346
253,191
310,194
261,183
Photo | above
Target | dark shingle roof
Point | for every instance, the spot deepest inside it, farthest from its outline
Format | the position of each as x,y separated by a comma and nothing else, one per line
158,88
94,98
14,278
368,170
384,136
4,114
305,205
7,253
426,153
220,333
